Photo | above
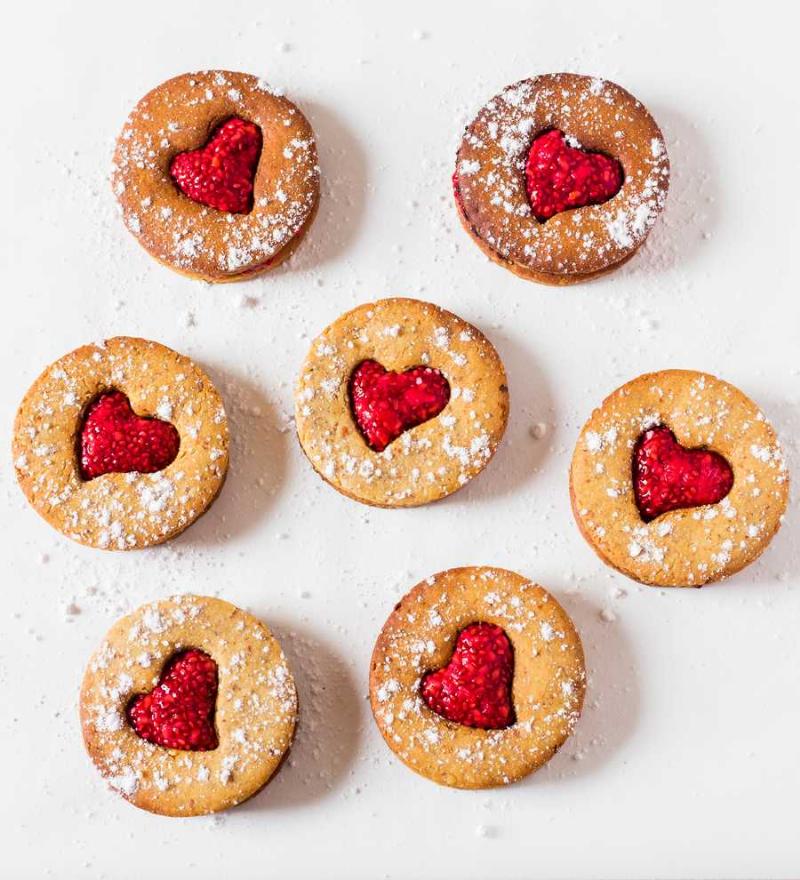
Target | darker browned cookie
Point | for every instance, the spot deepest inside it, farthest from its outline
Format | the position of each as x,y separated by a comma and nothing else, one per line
200,241
578,244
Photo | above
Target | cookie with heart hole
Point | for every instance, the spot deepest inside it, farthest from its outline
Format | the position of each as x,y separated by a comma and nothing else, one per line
560,178
121,444
188,707
477,677
678,479
400,403
216,175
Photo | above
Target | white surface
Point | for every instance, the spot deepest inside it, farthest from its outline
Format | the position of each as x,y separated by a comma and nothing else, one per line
686,761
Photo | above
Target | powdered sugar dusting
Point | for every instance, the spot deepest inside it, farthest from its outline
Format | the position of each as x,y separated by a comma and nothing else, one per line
186,234
490,174
419,637
686,546
255,712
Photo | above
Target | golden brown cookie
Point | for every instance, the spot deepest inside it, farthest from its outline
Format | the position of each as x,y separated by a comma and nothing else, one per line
216,175
560,178
400,403
678,479
477,678
208,689
121,444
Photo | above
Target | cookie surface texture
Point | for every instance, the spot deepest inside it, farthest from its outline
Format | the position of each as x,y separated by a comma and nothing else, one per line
493,176
127,509
690,545
151,176
254,717
422,463
548,683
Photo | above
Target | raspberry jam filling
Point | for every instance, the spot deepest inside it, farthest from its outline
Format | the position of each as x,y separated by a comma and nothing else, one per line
474,688
179,712
113,439
386,404
560,176
221,174
667,476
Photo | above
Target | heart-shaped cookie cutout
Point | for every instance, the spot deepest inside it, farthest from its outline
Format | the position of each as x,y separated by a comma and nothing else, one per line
221,173
179,712
474,688
561,176
668,476
386,404
113,439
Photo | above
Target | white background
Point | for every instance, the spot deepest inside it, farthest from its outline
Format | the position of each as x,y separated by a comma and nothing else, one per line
685,763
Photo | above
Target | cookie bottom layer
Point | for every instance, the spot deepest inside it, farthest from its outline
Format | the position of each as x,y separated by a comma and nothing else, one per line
554,279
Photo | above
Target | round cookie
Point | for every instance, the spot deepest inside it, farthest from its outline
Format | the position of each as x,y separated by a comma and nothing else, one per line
496,194
702,432
276,182
547,685
253,718
451,366
127,509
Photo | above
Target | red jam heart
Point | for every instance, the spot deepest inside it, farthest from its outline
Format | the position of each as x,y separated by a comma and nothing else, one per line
667,476
475,687
113,439
387,404
179,712
221,173
560,177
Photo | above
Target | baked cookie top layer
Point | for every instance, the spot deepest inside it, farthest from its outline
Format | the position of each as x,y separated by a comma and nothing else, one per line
255,716
594,114
121,511
689,546
426,462
549,677
179,116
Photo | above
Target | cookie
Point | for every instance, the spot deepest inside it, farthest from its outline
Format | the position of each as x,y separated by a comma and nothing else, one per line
121,444
678,479
477,678
216,175
560,178
400,403
188,707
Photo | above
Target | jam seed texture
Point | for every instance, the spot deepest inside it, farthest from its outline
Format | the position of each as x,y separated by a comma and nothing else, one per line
179,712
474,688
386,404
667,476
113,439
221,174
560,176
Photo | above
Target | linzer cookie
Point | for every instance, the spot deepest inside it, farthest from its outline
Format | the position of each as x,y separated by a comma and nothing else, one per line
678,479
477,678
216,175
560,178
121,444
188,707
400,403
